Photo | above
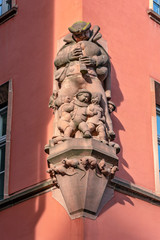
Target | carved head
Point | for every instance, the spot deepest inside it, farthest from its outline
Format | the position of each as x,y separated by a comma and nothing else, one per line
96,97
64,160
83,95
80,30
111,106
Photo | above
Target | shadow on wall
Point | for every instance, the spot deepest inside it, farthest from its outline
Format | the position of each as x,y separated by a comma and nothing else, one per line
118,126
117,98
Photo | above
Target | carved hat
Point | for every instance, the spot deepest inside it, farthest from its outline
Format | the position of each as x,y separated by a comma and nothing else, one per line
79,27
83,91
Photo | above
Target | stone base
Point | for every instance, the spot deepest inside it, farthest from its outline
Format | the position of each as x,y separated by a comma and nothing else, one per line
83,190
107,196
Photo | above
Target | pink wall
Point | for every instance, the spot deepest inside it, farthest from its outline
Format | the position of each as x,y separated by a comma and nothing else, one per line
133,43
124,218
27,49
27,57
27,46
43,218
40,218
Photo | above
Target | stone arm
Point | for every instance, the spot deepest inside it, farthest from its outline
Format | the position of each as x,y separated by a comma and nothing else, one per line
101,60
66,55
91,111
68,107
61,59
96,61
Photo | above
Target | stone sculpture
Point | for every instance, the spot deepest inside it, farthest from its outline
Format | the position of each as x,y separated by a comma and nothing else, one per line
82,68
82,153
68,167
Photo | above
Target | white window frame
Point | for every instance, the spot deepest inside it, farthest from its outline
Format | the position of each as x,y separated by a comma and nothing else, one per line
3,143
6,139
155,136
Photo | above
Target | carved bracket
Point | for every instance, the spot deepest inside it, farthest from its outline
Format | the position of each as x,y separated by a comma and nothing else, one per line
81,169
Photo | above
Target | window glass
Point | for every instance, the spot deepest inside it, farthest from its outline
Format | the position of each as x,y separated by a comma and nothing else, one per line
159,157
158,123
3,126
0,7
1,185
3,122
158,132
2,158
5,5
156,1
156,6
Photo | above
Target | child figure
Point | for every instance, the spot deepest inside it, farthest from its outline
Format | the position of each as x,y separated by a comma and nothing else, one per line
81,112
97,122
64,116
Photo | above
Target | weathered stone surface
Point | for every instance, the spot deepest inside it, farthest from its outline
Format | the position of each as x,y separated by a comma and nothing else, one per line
82,147
82,155
81,169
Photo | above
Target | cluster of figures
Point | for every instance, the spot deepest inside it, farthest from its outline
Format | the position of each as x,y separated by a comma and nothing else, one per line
82,88
82,116
83,164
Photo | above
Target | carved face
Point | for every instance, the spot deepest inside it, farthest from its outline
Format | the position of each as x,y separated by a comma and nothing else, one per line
96,98
111,108
83,97
85,35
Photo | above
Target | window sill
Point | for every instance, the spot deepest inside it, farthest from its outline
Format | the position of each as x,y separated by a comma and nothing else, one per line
154,16
9,14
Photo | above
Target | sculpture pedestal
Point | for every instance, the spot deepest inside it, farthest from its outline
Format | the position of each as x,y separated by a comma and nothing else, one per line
83,186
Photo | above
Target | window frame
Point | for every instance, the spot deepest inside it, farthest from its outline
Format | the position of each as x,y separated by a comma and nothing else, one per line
152,14
7,140
3,110
10,13
154,133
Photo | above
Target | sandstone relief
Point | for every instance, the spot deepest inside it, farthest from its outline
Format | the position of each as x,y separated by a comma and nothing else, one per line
82,146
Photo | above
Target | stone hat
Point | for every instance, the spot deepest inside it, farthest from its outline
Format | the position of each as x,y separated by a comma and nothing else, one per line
79,27
83,91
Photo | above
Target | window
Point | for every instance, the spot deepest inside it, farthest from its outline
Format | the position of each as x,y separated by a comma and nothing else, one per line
155,93
5,5
154,10
3,124
8,9
4,147
158,132
156,6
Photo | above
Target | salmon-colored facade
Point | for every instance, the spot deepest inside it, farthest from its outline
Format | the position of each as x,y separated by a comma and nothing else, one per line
28,46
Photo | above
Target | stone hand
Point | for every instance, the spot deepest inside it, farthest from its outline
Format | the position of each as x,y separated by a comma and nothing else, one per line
88,61
75,54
